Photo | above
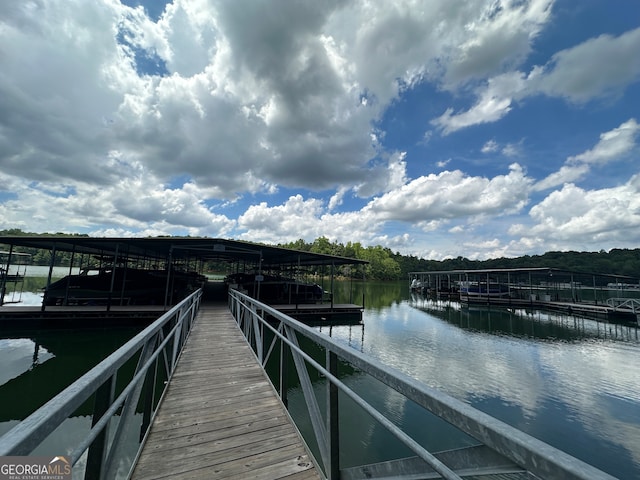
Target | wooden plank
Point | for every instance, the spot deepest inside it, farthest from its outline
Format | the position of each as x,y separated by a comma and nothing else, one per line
303,475
258,466
211,464
223,426
221,417
192,450
218,414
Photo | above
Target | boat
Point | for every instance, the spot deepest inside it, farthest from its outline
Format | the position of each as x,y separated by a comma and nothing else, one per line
275,289
474,291
416,286
122,286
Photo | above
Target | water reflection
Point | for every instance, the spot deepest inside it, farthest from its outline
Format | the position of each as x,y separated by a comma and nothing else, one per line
353,334
567,380
27,299
37,365
521,322
20,355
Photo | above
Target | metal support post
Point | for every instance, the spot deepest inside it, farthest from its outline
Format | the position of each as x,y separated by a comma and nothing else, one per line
284,361
333,426
51,263
148,390
4,278
98,450
113,278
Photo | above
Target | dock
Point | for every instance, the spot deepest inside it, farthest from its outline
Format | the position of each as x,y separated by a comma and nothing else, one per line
609,297
221,417
30,318
589,310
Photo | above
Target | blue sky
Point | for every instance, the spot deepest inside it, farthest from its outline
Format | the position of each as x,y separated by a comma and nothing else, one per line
436,128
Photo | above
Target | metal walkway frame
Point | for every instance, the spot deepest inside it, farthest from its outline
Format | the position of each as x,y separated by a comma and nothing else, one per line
502,450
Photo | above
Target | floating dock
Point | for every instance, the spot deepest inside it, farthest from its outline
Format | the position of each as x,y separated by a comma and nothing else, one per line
34,317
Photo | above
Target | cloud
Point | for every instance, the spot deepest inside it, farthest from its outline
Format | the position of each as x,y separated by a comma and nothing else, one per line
137,204
614,145
576,74
390,176
299,218
426,202
597,219
508,150
512,149
452,194
336,199
490,147
579,75
566,174
53,125
494,102
138,126
247,93
500,37
224,113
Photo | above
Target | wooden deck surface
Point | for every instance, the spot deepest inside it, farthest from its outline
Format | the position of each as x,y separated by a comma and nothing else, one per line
221,417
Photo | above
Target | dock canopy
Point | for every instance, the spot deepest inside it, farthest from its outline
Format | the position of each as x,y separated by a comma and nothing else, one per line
179,248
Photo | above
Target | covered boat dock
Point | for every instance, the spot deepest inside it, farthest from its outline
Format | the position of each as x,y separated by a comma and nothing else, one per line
602,296
167,260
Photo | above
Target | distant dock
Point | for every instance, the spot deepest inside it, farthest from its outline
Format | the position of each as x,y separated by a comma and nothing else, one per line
614,298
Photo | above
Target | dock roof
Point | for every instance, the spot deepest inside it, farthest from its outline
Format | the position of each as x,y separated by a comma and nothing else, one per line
190,248
521,270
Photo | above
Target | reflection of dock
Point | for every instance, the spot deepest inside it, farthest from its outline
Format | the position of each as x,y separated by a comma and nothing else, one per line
600,312
537,323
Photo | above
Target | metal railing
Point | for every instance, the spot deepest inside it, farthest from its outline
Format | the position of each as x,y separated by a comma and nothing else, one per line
500,449
125,399
625,304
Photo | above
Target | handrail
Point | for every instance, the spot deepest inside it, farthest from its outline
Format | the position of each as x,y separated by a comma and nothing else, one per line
509,445
631,304
157,348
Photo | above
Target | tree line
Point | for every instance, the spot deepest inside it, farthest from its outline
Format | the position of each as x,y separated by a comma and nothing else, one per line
41,256
384,264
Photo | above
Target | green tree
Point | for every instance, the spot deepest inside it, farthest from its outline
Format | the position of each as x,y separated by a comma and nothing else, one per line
322,245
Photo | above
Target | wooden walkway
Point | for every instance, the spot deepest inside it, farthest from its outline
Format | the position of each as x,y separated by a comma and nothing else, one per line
221,417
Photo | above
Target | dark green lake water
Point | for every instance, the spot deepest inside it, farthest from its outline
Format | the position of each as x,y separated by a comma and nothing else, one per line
571,382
